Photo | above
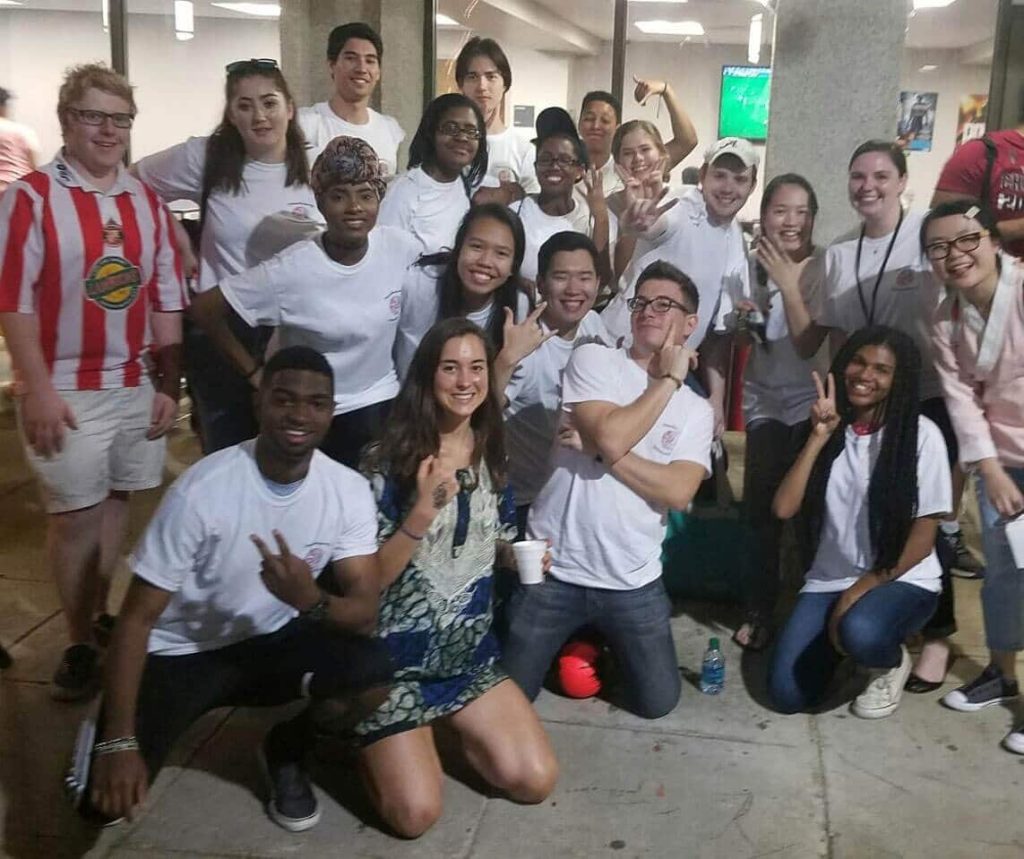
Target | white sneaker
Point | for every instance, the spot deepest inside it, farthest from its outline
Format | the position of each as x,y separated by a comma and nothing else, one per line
1014,741
883,694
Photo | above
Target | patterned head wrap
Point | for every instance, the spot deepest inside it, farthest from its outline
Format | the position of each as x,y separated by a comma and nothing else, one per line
346,160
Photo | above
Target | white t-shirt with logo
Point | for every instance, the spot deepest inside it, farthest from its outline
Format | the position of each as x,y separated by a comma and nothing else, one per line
908,295
533,408
510,158
603,534
349,313
844,552
540,226
231,219
421,304
320,125
777,382
714,256
197,545
425,208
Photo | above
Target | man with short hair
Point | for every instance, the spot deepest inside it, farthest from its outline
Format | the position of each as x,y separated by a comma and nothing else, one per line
354,55
642,446
91,297
19,145
224,608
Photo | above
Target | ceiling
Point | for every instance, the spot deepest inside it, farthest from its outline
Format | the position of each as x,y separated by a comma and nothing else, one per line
202,8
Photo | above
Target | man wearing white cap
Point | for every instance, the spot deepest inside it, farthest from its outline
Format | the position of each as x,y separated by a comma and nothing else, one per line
701,236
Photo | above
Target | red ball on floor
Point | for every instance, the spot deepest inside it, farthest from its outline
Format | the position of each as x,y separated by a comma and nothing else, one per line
577,669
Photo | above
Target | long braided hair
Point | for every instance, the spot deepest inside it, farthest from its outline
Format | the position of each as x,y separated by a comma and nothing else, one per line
892,491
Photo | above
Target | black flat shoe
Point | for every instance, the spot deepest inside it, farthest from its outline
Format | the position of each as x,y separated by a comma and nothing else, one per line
920,686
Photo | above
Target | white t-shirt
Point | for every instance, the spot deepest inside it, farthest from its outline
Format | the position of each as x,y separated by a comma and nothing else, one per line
777,382
421,305
603,534
908,294
320,125
231,219
510,158
844,553
197,545
539,227
429,210
534,397
349,313
714,256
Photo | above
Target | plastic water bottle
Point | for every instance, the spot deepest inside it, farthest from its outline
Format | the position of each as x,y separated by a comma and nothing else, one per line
712,669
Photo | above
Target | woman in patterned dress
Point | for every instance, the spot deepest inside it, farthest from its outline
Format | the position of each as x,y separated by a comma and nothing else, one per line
445,518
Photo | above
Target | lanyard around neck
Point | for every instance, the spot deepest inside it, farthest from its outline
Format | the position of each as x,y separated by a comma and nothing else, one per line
869,313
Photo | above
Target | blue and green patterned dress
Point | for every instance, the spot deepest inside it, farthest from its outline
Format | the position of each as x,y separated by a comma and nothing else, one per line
436,617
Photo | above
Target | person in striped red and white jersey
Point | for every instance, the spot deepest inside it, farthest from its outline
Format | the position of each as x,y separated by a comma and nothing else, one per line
91,300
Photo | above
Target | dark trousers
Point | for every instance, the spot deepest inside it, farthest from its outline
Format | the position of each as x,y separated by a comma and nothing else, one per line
352,431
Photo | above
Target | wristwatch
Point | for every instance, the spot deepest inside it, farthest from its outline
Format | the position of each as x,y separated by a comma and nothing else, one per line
318,611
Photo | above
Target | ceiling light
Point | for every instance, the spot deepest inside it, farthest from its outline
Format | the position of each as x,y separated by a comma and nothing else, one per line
666,2
932,4
928,67
259,10
754,39
10,3
445,21
670,28
184,20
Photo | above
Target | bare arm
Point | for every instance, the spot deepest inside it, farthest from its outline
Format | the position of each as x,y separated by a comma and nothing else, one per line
684,134
614,430
824,420
355,611
671,485
716,355
210,310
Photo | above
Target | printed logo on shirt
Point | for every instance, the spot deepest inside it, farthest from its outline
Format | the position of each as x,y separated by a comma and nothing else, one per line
301,211
906,279
113,235
667,440
315,559
113,283
64,174
394,300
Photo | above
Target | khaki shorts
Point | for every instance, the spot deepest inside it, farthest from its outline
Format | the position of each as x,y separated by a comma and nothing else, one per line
109,450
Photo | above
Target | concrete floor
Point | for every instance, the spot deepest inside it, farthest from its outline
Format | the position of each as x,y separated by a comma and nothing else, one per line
720,777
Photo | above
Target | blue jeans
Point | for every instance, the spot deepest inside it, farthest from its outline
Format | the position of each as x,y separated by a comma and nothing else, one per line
1002,594
635,623
871,632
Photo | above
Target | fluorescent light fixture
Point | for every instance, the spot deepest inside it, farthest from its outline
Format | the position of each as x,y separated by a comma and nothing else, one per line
666,2
445,21
11,3
932,4
184,20
928,67
258,10
754,39
661,27
105,11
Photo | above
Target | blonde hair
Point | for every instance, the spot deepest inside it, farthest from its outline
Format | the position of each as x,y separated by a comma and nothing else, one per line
79,79
649,128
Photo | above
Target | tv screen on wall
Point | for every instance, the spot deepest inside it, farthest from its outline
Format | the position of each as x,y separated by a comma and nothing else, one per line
743,108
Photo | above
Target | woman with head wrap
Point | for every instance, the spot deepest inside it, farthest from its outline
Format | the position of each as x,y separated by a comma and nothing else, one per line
339,292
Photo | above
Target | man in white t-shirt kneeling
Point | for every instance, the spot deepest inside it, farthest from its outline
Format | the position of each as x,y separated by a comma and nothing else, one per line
642,446
224,609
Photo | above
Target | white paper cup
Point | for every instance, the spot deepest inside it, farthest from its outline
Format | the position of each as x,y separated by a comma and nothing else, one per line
530,560
1015,537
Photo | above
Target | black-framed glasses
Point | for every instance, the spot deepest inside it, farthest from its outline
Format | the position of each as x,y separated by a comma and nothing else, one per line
965,243
661,304
98,117
565,162
453,129
264,64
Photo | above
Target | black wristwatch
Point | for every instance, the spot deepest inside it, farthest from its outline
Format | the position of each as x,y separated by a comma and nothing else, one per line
318,611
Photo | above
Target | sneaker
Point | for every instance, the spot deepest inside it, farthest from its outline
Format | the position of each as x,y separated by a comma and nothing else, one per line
1014,741
103,628
883,694
963,564
989,687
78,676
292,805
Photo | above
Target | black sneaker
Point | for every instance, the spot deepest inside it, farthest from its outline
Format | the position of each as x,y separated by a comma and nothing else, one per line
292,805
963,564
103,628
989,687
78,676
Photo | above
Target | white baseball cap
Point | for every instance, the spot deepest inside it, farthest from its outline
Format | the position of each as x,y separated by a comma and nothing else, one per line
742,149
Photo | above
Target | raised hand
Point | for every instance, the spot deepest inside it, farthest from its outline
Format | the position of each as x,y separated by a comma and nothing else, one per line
824,417
672,359
642,197
524,338
779,266
593,181
646,88
436,485
286,576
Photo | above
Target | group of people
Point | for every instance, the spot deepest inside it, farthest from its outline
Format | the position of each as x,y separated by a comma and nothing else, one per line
397,376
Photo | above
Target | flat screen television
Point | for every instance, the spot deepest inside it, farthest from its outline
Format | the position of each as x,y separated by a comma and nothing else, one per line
743,107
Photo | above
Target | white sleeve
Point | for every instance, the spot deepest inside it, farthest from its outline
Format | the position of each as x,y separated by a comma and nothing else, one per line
527,170
358,535
170,546
397,132
255,294
586,375
694,442
934,482
177,172
309,122
830,296
419,313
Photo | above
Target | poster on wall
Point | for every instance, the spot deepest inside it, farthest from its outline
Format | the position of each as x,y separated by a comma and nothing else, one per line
917,120
971,117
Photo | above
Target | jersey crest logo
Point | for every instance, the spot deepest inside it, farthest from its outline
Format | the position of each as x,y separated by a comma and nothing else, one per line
905,278
113,283
113,235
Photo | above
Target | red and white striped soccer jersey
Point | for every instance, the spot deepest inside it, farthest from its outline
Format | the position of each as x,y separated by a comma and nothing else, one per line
91,266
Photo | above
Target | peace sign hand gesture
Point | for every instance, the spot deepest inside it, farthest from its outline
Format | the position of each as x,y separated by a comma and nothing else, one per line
642,195
524,338
286,576
824,417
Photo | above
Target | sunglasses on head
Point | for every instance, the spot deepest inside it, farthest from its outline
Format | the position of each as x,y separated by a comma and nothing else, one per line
265,64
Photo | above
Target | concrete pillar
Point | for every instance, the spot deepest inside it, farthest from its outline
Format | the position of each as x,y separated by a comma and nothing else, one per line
835,84
305,25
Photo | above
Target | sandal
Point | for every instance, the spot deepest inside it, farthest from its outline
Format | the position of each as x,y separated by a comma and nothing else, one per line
759,632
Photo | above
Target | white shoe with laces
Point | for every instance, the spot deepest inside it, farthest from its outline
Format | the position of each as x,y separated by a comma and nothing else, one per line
884,692
1014,741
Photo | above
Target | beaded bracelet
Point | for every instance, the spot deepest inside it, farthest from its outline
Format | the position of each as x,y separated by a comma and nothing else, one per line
121,744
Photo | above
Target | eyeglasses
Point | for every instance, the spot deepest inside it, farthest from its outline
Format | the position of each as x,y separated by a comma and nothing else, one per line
453,129
265,64
98,117
563,161
661,304
967,242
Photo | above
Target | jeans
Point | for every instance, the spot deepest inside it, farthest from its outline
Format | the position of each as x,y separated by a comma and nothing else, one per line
772,447
1002,594
352,431
871,632
635,623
